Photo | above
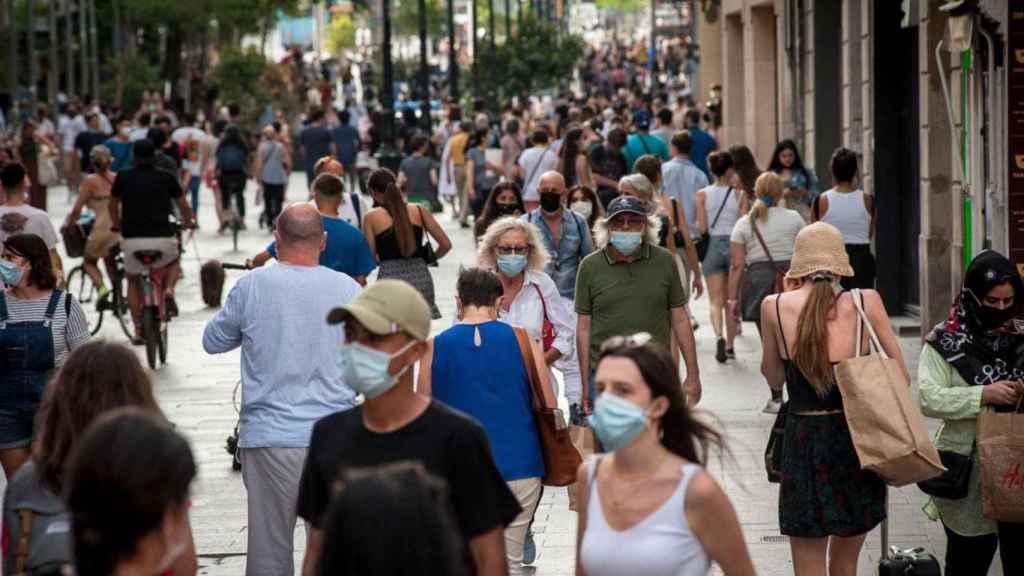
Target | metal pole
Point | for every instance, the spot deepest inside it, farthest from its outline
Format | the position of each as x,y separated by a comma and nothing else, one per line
387,77
424,69
453,55
508,21
30,49
69,51
93,49
491,29
53,75
83,47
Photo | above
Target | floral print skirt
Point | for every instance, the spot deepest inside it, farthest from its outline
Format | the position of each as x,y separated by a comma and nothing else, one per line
824,492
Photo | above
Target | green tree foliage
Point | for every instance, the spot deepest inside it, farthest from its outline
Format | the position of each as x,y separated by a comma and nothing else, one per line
538,57
243,79
407,14
623,6
341,33
140,75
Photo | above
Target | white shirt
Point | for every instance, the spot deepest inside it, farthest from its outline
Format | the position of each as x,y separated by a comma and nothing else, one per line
535,161
25,219
69,129
527,311
779,231
347,212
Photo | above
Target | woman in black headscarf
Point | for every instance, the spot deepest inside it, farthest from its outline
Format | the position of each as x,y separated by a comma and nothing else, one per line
974,360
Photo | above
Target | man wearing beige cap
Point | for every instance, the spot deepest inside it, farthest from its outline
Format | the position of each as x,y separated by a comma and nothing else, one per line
386,330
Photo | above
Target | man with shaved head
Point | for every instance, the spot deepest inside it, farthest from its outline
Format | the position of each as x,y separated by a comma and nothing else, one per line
290,375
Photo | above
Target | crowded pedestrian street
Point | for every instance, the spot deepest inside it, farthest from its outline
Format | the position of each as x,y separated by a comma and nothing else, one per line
545,288
197,392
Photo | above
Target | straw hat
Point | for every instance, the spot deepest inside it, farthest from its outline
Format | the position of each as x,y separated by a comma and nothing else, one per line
819,248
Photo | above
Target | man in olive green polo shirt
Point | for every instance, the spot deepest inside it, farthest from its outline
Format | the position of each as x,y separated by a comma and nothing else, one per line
631,285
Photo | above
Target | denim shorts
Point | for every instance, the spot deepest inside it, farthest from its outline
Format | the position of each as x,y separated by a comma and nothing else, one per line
716,261
18,410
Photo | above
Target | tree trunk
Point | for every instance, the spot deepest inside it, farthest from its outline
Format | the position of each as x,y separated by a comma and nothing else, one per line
53,74
69,49
172,58
83,47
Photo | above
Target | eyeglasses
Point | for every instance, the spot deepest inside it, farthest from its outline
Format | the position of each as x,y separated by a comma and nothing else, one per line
632,341
506,250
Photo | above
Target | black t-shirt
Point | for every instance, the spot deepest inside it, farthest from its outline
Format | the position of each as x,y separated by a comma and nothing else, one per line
85,142
446,442
146,194
608,163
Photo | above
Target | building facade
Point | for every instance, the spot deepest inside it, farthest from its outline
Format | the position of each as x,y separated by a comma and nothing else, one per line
919,92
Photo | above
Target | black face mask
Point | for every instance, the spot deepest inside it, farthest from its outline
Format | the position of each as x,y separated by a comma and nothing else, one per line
991,318
506,209
550,202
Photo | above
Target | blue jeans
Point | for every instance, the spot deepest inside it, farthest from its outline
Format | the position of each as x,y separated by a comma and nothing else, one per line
193,189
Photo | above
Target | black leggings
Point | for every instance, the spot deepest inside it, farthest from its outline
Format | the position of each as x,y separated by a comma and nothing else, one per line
970,555
233,185
273,199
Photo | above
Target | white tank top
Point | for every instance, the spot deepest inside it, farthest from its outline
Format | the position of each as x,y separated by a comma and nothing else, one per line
659,545
846,211
713,196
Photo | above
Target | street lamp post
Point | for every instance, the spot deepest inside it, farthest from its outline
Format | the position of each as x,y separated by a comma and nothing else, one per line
387,156
453,55
424,69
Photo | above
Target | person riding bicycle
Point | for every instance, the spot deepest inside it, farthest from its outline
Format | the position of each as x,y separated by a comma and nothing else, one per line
147,194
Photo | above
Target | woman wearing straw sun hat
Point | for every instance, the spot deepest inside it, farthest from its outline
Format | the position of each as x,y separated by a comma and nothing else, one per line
827,504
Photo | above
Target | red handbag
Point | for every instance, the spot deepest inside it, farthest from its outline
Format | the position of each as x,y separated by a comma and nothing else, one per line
547,328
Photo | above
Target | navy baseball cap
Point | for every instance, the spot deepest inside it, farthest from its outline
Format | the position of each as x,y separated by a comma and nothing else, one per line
626,205
642,119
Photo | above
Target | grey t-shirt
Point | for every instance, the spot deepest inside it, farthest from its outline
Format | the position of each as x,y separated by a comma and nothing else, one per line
271,155
417,174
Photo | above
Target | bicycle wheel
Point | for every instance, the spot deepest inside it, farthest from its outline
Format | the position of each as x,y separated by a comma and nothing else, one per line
119,308
151,334
81,286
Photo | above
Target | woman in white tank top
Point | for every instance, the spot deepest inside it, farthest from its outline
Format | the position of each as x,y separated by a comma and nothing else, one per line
718,208
852,211
648,508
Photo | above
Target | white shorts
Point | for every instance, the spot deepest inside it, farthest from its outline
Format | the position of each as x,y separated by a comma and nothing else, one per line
167,246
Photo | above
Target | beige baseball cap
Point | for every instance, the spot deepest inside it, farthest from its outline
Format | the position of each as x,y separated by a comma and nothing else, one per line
387,307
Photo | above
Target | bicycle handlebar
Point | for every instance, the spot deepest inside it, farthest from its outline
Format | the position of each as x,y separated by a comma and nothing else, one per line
229,266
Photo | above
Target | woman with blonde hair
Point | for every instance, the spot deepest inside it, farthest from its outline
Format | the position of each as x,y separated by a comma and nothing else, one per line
761,245
94,192
827,503
515,250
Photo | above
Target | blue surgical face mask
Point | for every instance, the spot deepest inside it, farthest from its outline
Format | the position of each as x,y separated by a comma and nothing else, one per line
511,264
365,370
626,242
616,422
10,273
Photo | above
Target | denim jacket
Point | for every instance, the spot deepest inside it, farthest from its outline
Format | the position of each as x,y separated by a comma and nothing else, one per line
574,243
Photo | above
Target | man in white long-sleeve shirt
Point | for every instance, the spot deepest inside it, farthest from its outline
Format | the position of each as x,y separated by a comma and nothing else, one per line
290,376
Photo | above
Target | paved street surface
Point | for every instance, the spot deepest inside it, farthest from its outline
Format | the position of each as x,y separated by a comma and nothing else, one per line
196,392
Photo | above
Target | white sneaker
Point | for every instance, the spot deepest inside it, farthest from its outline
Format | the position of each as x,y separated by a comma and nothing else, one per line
772,407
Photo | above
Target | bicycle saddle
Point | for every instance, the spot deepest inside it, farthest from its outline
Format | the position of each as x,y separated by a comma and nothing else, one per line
148,256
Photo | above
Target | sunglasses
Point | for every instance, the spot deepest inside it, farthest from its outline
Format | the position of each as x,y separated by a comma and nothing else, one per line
637,340
506,250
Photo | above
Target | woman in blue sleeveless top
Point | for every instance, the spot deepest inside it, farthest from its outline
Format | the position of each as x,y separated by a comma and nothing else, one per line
476,367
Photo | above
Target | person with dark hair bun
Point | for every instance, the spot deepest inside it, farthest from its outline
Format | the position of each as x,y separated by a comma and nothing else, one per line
128,495
395,231
39,325
648,506
407,504
852,211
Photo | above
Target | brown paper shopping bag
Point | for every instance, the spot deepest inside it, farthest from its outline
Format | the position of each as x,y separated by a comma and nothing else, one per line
886,425
1001,455
584,441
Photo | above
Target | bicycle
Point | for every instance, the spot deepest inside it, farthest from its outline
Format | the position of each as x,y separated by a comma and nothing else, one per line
154,314
85,290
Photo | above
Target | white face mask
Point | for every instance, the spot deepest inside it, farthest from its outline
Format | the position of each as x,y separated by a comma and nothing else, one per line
582,207
174,548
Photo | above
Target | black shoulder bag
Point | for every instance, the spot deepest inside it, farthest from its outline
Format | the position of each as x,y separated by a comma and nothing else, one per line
705,239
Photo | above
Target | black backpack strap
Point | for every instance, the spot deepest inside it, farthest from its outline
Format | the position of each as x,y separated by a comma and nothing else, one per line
67,305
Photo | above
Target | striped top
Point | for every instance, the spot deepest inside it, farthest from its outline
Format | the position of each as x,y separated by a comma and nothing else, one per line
68,333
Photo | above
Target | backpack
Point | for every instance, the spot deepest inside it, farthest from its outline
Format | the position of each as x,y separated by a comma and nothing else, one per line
38,527
231,159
